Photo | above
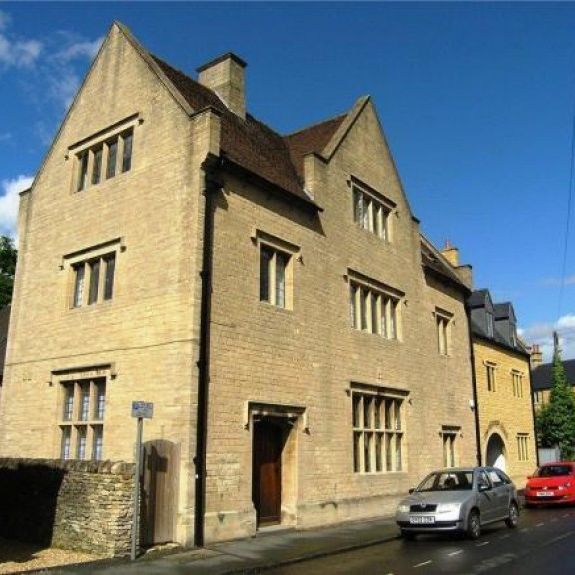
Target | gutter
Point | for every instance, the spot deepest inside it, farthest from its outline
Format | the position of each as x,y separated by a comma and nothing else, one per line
213,184
474,380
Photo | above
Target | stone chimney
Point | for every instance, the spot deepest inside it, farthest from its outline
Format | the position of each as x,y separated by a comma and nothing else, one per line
451,254
535,356
225,76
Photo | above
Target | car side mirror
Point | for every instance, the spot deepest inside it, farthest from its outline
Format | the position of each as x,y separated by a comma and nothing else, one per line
411,490
483,487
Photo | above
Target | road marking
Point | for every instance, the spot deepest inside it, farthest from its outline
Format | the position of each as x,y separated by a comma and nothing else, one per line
565,515
422,564
539,524
455,552
524,530
482,544
559,537
505,536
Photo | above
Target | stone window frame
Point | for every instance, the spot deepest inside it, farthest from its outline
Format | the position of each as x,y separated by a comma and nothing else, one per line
444,321
392,456
517,383
85,259
387,300
84,154
523,446
95,377
491,368
450,445
292,252
376,217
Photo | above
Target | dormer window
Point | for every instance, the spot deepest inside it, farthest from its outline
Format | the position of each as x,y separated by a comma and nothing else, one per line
489,319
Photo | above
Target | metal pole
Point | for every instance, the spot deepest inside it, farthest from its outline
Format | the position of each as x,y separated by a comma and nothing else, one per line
136,513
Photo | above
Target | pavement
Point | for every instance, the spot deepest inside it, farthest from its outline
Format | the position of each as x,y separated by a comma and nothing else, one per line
270,548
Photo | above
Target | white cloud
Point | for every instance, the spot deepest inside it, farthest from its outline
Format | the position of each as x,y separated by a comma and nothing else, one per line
542,334
84,49
63,86
15,52
9,200
556,282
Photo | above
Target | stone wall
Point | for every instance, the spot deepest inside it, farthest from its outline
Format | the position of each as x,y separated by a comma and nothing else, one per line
81,505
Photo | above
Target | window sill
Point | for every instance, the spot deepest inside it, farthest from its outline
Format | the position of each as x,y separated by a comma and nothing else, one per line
271,306
379,473
102,184
81,422
377,336
90,307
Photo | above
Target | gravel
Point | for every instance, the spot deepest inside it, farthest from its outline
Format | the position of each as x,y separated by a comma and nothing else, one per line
16,556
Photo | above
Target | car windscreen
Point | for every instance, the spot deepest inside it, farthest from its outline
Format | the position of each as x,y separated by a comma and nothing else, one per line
447,481
553,471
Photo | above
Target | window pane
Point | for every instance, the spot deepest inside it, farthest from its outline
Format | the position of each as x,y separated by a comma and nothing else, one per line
384,224
356,410
127,155
281,263
68,402
367,441
397,410
352,305
98,437
364,296
367,403
398,461
110,261
112,157
377,412
97,167
388,409
374,314
84,401
378,446
83,171
266,255
81,442
384,313
94,281
366,212
100,404
357,205
356,451
388,452
79,284
393,319
65,442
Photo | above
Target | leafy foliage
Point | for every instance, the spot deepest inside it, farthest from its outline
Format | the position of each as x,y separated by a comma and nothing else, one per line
556,420
8,257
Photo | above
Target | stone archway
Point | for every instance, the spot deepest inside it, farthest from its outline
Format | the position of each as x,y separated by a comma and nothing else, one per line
496,452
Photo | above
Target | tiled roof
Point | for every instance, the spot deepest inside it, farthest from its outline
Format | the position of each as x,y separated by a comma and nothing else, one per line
248,143
312,139
541,375
434,261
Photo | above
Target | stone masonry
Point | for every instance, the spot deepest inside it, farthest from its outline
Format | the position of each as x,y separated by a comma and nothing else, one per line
79,505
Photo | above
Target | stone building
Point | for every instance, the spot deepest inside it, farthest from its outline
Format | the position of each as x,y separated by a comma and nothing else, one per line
506,433
541,380
305,347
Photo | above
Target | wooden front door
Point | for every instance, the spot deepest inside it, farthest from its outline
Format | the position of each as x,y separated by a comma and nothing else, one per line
159,492
267,471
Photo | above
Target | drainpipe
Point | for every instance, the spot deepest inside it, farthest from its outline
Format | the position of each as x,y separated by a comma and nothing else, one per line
474,380
213,184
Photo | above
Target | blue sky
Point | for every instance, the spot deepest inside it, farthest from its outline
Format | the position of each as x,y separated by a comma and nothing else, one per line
476,100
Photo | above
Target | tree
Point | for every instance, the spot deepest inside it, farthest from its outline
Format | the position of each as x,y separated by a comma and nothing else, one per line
8,257
556,420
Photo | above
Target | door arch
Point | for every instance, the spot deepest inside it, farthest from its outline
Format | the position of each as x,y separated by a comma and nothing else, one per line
496,452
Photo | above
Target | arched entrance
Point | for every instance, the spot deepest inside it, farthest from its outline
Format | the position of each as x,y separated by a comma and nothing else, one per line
495,456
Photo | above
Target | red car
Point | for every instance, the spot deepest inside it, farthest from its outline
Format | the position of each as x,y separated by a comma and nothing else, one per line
551,483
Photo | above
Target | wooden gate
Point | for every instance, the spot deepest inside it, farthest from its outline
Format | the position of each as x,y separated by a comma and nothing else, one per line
161,464
267,471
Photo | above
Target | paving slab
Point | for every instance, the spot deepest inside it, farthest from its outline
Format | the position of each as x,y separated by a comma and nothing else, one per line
255,554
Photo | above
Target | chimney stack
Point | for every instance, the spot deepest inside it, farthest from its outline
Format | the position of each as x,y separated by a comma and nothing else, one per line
225,76
451,254
535,356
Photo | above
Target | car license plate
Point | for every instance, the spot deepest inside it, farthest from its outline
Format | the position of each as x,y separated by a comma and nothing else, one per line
545,494
423,520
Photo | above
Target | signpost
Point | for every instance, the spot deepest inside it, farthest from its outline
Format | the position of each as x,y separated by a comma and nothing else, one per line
141,410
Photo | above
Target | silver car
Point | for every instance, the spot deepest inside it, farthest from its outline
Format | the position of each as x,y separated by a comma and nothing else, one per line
459,500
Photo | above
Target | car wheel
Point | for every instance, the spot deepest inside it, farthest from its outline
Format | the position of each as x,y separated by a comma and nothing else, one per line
474,525
409,535
513,517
